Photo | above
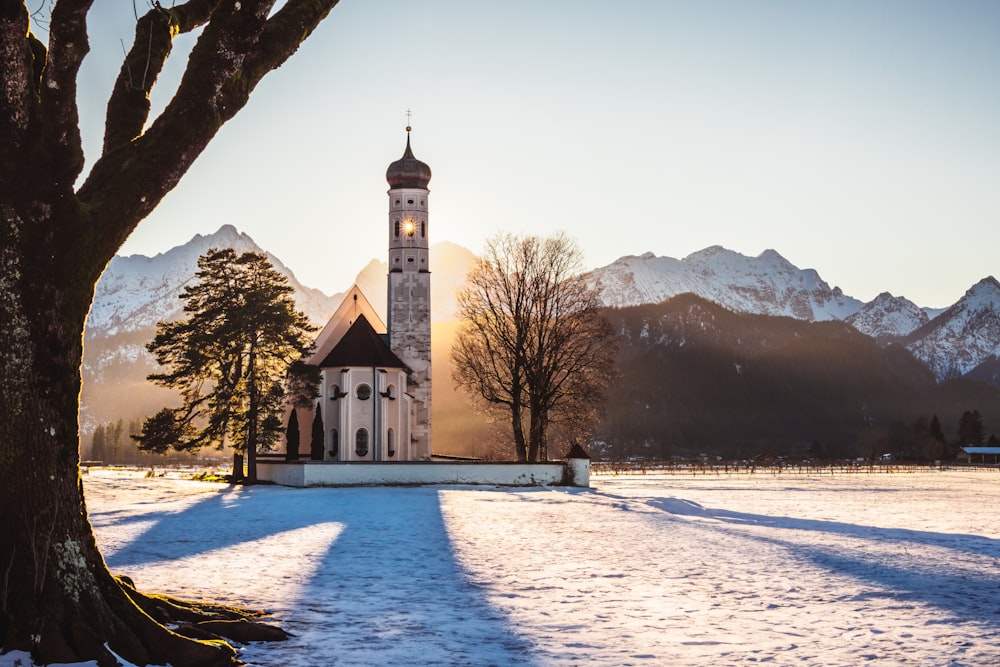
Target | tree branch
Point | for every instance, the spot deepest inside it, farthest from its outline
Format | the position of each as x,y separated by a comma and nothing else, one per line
283,34
128,107
60,121
136,172
18,99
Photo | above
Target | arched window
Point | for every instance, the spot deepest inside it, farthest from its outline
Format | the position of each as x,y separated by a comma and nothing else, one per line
364,392
396,227
361,442
335,392
390,392
423,229
334,443
391,442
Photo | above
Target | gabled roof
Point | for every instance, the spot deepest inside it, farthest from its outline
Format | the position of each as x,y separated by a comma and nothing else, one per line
361,346
354,305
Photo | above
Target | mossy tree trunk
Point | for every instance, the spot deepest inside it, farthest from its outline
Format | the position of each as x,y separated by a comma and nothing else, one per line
57,598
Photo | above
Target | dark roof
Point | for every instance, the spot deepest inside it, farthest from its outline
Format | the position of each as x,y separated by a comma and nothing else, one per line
361,346
408,171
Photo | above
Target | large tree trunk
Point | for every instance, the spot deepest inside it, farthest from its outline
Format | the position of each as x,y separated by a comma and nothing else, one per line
57,598
518,428
538,434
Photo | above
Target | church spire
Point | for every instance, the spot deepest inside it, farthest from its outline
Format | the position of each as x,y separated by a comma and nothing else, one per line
408,171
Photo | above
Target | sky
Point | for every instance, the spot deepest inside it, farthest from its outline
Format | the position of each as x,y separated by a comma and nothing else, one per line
857,138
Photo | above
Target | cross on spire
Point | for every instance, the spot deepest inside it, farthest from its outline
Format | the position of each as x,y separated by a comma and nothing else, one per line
408,114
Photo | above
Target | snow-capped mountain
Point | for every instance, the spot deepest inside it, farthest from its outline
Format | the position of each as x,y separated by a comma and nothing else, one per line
136,292
964,336
767,284
887,317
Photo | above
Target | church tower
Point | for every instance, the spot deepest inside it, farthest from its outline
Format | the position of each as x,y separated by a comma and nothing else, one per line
409,302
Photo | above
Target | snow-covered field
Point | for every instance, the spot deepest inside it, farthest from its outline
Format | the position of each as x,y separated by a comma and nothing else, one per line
894,569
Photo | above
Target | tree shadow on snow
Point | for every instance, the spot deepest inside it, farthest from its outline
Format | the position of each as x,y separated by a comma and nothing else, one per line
387,590
964,585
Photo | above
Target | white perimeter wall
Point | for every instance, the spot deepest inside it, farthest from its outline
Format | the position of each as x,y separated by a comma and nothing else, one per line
322,473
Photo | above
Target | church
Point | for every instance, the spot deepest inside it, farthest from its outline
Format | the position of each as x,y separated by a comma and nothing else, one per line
375,391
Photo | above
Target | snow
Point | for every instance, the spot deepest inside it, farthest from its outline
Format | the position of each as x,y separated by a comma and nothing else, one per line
767,284
965,335
136,292
888,316
657,569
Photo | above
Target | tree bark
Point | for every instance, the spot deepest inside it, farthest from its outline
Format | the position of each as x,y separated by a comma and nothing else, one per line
57,598
518,430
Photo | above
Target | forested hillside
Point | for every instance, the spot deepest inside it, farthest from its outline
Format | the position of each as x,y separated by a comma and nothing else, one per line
697,378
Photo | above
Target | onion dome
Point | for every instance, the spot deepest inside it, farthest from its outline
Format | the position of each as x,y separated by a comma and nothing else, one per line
408,171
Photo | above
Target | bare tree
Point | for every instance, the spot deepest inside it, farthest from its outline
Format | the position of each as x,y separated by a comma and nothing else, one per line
57,598
533,343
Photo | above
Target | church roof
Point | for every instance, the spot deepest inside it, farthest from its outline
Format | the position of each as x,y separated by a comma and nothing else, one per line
353,305
408,171
361,346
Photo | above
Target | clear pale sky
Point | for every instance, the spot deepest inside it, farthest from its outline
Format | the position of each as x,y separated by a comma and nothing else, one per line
860,138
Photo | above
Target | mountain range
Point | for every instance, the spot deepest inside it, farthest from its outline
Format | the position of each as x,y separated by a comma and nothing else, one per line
952,342
136,292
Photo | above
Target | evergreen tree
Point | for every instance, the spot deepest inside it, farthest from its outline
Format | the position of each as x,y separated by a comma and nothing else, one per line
229,358
292,437
970,429
316,446
935,429
935,444
97,444
114,444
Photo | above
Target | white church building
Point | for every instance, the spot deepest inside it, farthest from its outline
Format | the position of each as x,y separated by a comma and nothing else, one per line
375,392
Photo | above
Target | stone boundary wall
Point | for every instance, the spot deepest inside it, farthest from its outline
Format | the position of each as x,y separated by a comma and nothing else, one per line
573,472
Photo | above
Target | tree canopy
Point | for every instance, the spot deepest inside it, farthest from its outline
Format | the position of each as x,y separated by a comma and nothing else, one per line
230,358
533,342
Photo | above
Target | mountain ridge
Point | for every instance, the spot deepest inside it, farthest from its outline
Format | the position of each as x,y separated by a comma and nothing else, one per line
137,291
771,285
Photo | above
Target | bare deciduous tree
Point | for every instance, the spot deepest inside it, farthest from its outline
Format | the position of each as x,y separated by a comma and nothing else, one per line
57,598
533,344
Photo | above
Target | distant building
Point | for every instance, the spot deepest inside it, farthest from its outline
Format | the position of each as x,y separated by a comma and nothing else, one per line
983,454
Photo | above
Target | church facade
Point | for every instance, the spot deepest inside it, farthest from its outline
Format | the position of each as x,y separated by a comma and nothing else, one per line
375,392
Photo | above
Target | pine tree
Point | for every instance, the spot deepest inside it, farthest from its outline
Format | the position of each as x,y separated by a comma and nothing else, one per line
316,446
114,443
935,429
292,437
970,429
97,446
229,359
